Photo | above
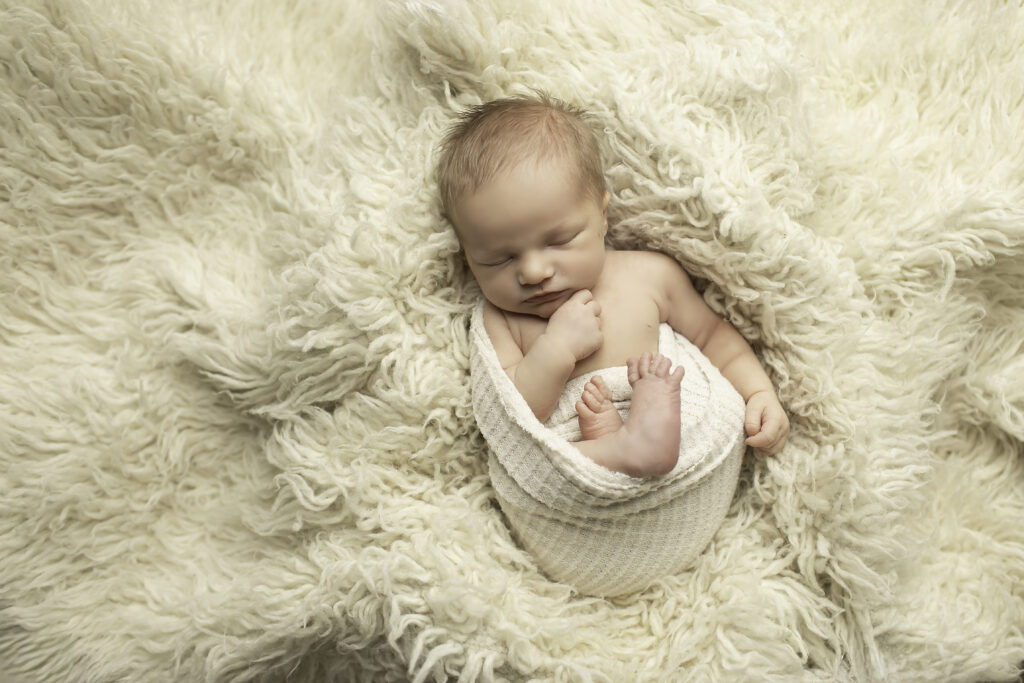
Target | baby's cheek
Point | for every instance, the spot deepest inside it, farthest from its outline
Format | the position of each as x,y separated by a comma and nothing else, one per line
593,266
500,291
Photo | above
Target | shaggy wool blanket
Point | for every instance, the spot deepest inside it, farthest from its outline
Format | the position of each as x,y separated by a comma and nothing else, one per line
236,439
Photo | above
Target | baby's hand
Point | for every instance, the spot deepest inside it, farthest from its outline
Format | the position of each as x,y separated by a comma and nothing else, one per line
766,423
577,324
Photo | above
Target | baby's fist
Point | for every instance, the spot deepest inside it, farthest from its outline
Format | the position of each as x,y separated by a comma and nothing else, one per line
766,423
577,324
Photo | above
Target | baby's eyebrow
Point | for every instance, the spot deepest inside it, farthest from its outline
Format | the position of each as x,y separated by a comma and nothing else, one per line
563,229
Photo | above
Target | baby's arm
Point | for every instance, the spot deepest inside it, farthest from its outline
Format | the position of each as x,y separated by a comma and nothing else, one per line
573,333
766,422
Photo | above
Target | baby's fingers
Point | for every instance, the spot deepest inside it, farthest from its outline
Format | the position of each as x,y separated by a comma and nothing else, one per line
760,441
764,444
582,296
770,439
756,416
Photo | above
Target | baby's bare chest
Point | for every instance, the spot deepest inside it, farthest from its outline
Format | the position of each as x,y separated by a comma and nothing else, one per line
630,322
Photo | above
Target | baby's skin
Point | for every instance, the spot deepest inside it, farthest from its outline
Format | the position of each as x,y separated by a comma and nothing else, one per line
561,304
649,438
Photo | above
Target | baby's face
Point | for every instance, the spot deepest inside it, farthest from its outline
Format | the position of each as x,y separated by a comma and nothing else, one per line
533,237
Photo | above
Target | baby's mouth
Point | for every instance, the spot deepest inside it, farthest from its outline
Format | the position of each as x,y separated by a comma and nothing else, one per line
545,297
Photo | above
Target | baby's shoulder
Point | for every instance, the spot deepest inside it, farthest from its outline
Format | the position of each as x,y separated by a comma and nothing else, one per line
652,264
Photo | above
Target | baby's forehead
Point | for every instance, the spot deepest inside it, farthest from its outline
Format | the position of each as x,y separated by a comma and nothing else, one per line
512,167
506,193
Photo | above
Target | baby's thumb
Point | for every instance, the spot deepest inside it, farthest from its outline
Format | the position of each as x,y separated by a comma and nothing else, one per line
753,424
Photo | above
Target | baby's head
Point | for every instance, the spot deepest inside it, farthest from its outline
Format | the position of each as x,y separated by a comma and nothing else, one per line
522,184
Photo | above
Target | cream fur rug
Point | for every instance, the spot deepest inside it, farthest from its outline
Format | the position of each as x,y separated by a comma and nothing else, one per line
236,441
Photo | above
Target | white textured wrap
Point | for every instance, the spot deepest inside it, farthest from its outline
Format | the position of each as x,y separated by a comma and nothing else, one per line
604,532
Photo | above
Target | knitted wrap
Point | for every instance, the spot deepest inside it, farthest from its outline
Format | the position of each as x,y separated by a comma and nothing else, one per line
604,532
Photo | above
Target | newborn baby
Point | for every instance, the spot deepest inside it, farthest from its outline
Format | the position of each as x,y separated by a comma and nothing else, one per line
522,184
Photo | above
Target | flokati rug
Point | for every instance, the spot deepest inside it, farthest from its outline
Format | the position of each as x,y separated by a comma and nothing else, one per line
236,437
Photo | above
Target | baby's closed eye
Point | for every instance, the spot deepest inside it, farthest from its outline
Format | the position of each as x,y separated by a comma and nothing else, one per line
565,239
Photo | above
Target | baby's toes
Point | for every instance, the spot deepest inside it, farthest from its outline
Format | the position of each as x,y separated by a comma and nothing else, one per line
592,397
601,387
642,364
638,368
632,371
660,366
584,411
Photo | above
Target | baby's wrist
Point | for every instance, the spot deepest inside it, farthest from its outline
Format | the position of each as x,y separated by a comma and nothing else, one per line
557,349
770,391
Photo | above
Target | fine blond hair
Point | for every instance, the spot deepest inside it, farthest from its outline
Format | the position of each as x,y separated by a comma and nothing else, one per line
500,134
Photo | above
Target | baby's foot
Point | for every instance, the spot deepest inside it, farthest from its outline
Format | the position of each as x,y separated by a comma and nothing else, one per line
653,421
598,416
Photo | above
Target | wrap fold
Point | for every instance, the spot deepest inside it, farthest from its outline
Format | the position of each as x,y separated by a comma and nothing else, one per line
606,533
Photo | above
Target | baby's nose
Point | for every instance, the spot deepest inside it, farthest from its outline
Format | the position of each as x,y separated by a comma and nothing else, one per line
534,268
